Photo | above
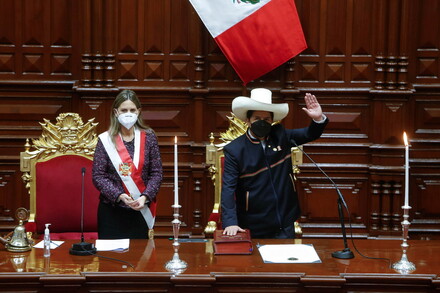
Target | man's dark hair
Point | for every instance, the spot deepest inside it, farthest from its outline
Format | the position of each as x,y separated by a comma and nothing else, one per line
250,112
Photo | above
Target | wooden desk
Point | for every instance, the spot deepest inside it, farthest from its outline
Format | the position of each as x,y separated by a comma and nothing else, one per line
209,273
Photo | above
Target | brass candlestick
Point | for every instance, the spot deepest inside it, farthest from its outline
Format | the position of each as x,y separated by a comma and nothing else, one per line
176,265
404,266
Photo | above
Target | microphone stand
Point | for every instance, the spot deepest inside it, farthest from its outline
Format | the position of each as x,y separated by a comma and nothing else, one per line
82,248
346,253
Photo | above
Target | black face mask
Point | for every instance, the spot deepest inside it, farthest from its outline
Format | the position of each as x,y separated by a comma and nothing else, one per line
261,128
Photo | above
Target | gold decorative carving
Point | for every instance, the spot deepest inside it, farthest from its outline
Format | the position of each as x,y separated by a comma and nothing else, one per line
68,136
236,128
298,229
210,150
211,227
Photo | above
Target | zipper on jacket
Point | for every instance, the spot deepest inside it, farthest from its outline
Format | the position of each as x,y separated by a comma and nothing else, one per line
247,201
269,169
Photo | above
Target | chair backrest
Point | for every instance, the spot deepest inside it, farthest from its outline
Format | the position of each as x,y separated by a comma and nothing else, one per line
53,173
215,160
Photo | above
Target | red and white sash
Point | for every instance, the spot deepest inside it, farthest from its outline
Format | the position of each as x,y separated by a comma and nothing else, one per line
130,171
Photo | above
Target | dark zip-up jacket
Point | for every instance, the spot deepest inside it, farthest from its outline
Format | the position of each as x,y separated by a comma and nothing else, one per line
258,191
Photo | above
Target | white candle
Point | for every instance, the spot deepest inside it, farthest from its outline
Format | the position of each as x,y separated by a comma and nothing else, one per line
405,139
176,176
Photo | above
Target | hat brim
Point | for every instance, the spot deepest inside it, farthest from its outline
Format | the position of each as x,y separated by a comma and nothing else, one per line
240,106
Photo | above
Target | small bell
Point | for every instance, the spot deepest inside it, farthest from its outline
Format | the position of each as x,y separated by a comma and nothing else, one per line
19,241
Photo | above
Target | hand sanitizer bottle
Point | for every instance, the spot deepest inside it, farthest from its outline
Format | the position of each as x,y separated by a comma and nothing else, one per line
46,241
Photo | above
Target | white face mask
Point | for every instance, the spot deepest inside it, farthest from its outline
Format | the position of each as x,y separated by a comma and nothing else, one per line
127,119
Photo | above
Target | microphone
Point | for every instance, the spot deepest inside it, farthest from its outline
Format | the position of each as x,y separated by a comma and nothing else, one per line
82,248
346,253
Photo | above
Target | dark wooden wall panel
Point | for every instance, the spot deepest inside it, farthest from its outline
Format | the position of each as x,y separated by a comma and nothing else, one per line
427,116
425,44
429,187
154,44
12,195
374,65
38,40
392,113
337,57
21,112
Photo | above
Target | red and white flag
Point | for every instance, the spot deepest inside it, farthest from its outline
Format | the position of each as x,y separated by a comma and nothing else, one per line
256,36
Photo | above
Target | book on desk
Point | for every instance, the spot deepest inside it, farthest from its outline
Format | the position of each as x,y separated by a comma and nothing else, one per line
237,244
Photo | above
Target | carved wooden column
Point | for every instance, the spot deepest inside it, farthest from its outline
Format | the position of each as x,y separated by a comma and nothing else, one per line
379,62
86,57
385,204
98,69
375,209
392,44
385,216
109,69
403,61
198,94
197,225
97,43
397,207
292,99
109,31
199,90
289,72
289,92
199,71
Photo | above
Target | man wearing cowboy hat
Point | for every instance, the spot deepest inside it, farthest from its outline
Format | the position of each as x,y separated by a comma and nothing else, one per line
258,191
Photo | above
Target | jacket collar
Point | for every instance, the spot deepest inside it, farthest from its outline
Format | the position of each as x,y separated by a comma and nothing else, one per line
252,139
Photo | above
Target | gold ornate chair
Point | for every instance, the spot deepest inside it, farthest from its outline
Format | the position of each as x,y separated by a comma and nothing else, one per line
52,171
215,160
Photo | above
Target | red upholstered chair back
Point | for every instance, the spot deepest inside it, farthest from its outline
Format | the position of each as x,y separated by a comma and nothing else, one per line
52,168
59,195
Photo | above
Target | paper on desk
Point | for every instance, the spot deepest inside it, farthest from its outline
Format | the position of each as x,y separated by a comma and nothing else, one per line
53,244
112,244
289,253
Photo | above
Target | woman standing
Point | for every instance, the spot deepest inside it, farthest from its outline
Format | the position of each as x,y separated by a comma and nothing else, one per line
127,170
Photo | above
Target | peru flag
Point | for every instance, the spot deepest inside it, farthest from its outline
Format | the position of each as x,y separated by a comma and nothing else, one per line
256,36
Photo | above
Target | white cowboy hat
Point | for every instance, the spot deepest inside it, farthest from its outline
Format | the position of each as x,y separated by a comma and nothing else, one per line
260,100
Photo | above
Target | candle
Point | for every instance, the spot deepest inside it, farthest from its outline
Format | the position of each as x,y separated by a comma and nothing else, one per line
176,187
405,139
